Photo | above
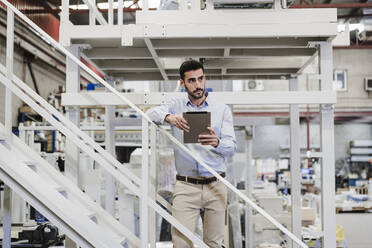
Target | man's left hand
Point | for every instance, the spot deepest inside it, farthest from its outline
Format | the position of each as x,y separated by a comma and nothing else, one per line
209,139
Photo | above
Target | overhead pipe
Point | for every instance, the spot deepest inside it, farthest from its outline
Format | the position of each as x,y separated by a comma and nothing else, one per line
332,5
355,47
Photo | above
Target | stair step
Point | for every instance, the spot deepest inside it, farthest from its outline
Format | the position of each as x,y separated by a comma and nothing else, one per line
32,165
93,217
62,191
122,241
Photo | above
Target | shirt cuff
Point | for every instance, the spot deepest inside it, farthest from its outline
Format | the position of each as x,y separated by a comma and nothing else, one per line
219,148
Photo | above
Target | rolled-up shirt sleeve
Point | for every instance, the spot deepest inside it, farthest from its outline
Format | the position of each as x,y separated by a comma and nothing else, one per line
227,145
157,114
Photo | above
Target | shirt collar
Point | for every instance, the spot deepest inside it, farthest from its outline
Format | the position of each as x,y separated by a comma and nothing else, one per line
188,102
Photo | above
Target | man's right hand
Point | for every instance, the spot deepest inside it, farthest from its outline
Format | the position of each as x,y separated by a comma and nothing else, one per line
178,121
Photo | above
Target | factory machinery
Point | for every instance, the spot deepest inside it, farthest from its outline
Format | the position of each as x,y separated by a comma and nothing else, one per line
225,39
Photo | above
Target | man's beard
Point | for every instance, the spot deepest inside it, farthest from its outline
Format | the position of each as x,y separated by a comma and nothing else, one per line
192,93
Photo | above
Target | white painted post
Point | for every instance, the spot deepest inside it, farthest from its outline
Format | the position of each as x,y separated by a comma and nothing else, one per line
153,185
111,12
295,163
72,151
248,188
145,5
195,4
120,12
65,12
327,149
9,74
73,114
144,218
277,4
7,217
92,16
110,147
7,205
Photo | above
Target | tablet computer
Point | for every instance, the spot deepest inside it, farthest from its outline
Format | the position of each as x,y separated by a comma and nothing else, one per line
199,121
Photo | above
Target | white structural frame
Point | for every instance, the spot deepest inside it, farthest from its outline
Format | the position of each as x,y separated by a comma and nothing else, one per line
295,163
239,98
327,130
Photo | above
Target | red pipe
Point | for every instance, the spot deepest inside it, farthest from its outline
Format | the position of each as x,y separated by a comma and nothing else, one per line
332,5
354,47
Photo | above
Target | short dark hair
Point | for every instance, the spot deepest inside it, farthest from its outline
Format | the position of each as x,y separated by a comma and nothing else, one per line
190,65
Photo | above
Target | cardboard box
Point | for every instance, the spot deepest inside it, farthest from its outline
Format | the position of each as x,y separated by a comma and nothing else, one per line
308,216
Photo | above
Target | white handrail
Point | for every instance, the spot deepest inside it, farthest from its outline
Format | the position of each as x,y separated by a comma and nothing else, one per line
146,117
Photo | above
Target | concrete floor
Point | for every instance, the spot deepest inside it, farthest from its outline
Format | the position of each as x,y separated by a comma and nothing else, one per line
358,229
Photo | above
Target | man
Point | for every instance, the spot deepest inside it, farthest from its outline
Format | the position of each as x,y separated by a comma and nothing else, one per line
197,189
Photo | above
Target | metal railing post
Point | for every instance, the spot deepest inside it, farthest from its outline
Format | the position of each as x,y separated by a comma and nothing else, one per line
111,12
9,74
120,12
110,147
249,180
92,16
144,217
7,205
145,5
65,11
153,185
295,163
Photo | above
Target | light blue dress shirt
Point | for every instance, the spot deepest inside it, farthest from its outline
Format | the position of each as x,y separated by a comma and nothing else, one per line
222,124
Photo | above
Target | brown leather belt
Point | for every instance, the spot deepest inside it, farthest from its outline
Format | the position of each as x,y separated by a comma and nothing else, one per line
194,180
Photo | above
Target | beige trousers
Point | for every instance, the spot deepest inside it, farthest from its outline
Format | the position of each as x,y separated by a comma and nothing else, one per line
188,200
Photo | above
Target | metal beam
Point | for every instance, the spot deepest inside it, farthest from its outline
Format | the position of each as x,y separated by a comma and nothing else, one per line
239,43
118,53
28,59
251,63
272,52
156,58
140,64
241,98
97,14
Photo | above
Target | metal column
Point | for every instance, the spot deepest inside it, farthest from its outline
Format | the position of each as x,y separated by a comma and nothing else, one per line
248,189
295,150
7,205
9,72
120,12
144,217
73,113
153,184
327,149
110,147
92,16
111,12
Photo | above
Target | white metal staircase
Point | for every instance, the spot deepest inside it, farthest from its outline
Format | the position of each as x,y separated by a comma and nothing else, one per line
63,203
